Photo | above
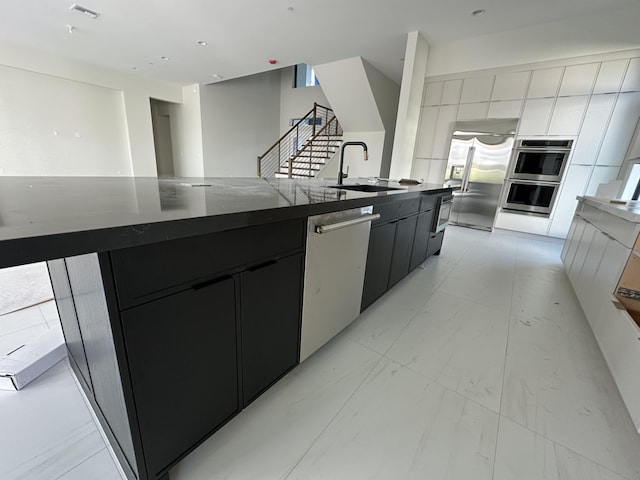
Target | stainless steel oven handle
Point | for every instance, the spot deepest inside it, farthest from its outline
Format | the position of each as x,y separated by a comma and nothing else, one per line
347,223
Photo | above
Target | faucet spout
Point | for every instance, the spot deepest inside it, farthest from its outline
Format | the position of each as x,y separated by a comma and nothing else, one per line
342,175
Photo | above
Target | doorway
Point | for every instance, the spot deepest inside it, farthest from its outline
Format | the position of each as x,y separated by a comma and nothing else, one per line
161,122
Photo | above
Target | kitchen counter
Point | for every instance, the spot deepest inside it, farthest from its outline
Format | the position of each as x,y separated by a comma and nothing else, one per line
629,211
43,218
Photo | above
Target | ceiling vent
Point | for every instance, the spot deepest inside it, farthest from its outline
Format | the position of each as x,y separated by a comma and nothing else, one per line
85,10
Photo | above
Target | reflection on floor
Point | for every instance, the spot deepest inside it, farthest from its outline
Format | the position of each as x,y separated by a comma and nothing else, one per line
479,366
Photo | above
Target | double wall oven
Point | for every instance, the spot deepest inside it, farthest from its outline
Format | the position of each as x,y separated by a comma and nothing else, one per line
536,172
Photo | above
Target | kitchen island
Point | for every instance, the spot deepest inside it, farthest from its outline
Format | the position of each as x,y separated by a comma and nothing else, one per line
602,258
180,299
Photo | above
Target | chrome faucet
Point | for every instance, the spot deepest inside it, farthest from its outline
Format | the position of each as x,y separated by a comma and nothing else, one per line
341,175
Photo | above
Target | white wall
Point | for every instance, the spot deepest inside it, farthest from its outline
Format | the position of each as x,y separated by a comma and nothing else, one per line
240,120
386,94
54,126
412,88
365,102
186,133
296,102
59,94
593,100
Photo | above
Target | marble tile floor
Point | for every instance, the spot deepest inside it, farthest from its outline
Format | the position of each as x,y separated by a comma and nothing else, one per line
479,366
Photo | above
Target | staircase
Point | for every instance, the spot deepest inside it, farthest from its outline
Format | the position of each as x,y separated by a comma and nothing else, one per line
305,148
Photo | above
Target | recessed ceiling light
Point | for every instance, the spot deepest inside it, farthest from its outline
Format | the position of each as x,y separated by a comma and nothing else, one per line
85,10
164,58
70,29
202,43
290,9
135,68
478,13
216,75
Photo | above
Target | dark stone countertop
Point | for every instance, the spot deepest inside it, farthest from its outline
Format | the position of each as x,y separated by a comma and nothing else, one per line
42,218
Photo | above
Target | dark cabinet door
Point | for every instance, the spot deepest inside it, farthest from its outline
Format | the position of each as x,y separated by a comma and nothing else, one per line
376,279
182,354
402,247
421,239
270,319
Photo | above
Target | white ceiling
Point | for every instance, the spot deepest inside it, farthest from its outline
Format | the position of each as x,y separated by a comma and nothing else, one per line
242,35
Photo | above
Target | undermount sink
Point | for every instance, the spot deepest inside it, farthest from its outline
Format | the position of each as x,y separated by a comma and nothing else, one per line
365,188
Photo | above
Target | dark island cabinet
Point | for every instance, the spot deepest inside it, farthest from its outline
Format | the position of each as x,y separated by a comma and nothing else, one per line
402,249
171,340
182,355
376,279
270,323
419,251
400,241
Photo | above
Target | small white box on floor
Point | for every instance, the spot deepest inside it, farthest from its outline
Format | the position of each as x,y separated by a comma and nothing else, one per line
24,364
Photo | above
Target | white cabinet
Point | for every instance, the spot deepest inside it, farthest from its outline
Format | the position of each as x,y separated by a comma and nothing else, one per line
510,86
632,78
451,92
473,111
505,109
579,79
545,82
593,129
433,94
634,148
574,183
427,131
573,241
567,115
535,117
477,89
620,131
444,129
610,76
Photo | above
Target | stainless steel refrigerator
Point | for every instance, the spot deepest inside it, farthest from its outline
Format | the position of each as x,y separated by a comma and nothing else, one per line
478,159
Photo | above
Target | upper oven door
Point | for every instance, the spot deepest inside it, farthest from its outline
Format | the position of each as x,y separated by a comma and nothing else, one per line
539,165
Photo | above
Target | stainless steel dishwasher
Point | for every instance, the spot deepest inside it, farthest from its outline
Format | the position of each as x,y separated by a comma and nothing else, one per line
336,257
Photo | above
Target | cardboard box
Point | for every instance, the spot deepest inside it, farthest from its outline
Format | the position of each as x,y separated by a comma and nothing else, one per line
25,363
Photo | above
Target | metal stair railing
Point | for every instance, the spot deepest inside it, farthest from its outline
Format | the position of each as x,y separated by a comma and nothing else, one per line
298,139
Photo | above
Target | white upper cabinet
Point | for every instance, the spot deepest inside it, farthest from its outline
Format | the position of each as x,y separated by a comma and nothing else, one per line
620,130
473,111
433,94
634,149
579,79
427,131
610,76
593,129
510,86
451,92
632,78
508,109
535,117
444,129
545,82
567,115
477,89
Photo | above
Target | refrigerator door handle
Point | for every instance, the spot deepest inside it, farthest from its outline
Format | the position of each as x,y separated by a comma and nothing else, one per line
467,169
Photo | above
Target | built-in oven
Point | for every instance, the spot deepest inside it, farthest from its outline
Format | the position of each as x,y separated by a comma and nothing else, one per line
444,210
531,197
540,160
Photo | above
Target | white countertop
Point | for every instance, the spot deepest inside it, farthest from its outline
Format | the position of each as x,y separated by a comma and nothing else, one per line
629,211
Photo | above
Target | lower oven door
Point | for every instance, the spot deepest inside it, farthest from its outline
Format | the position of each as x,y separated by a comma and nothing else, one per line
531,197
